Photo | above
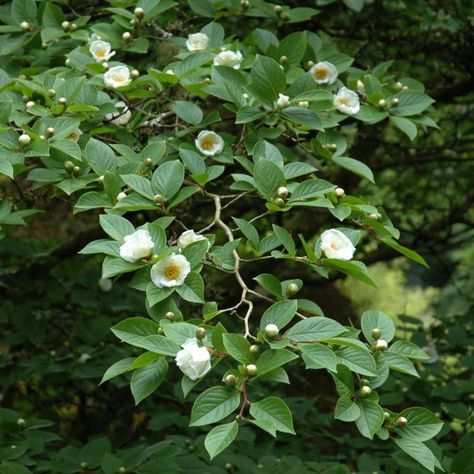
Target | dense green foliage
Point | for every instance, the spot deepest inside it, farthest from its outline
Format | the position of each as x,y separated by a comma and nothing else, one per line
275,348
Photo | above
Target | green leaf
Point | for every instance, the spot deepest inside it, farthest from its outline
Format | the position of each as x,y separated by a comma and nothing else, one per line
274,410
347,410
139,184
411,103
270,283
317,356
400,364
268,178
280,314
100,157
418,451
23,10
354,269
168,178
133,330
267,79
213,405
192,289
371,418
248,114
180,332
112,266
116,226
159,345
293,47
146,380
195,252
406,126
372,319
409,350
118,368
154,294
217,337
238,347
187,111
422,424
357,360
311,188
285,238
302,116
249,231
220,437
356,166
314,329
405,251
273,358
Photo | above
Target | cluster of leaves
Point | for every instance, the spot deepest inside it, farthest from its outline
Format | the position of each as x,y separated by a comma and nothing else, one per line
270,161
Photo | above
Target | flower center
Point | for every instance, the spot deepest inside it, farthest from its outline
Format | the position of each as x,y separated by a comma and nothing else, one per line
343,101
334,246
172,272
120,78
321,73
100,53
207,143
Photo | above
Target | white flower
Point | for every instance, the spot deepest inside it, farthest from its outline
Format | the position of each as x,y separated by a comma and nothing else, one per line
122,116
117,76
209,143
324,73
229,58
347,101
75,135
188,237
271,330
197,42
101,50
335,244
283,101
170,271
137,245
193,361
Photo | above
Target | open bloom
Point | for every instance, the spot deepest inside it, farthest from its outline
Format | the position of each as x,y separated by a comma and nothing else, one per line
335,244
347,101
188,237
209,143
324,73
193,361
136,246
229,58
101,50
283,100
122,116
117,76
197,42
170,271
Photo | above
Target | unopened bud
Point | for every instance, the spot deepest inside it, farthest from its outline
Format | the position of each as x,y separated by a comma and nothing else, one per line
395,101
42,137
62,101
386,415
271,330
285,16
135,74
277,9
170,315
160,331
373,217
382,103
251,369
49,131
76,171
68,166
365,391
24,139
25,98
158,199
67,62
245,95
127,36
398,85
148,162
25,26
282,192
122,470
310,64
65,25
376,333
84,465
121,196
133,22
405,88
292,289
73,27
283,59
100,179
279,202
303,103
20,422
30,103
230,380
380,345
139,12
51,93
401,422
200,333
254,349
339,192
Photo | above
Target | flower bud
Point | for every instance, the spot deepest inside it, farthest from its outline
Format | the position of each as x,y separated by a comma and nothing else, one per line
401,422
122,470
44,45
382,103
30,103
84,465
25,26
25,98
245,95
230,380
277,9
158,199
49,131
170,315
339,192
100,179
160,331
380,345
24,139
285,16
376,333
76,171
68,166
283,59
127,36
20,422
73,27
386,415
282,192
303,103
405,88
135,74
398,85
65,25
254,349
251,369
373,217
148,162
51,93
41,137
271,330
133,22
365,391
310,64
121,196
395,101
292,289
62,101
139,12
200,333
279,202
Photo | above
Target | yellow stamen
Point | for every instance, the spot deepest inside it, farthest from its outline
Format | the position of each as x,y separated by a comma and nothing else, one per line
172,272
334,246
321,73
100,53
207,143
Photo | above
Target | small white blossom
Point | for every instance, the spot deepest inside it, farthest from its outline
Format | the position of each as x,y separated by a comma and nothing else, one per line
136,246
347,101
117,76
188,237
170,271
229,58
283,100
324,73
335,244
197,42
192,360
209,143
101,50
121,196
122,116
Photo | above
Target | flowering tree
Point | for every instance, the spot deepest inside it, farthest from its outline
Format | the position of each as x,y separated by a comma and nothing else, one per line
193,164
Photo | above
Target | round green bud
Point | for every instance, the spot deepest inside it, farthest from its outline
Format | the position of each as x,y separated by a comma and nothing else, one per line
122,470
160,331
310,64
386,415
67,62
251,369
364,382
100,179
376,333
230,380
373,217
49,131
382,103
228,467
158,199
139,12
404,88
398,85
68,166
254,349
21,422
365,391
277,9
279,202
76,171
170,315
65,25
73,27
25,26
135,74
303,103
395,101
282,192
51,93
285,16
30,103
62,101
148,162
283,59
380,345
200,333
401,422
84,465
292,289
127,36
